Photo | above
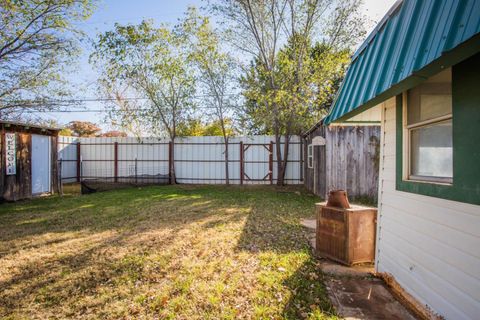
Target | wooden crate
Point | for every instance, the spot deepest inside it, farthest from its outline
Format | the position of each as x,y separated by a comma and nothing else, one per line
346,235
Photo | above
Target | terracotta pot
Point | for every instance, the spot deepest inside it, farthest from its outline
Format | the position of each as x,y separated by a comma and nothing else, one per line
338,199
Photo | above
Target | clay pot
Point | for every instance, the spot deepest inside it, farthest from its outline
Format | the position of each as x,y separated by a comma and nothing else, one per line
338,199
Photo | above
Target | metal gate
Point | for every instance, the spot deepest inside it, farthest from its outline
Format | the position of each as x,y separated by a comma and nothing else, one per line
250,168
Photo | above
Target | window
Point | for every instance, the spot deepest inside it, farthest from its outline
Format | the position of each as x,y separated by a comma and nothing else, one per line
428,130
310,156
448,131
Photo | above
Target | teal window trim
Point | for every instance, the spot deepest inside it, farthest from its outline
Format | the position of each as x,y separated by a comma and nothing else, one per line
450,192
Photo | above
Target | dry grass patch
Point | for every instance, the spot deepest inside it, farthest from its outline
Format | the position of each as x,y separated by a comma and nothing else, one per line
171,252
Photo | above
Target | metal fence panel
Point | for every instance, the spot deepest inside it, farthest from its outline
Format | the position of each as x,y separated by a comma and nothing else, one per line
198,160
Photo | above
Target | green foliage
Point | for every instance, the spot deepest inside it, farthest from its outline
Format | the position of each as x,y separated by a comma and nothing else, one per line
38,40
216,73
196,128
216,69
280,87
303,94
191,128
66,132
149,62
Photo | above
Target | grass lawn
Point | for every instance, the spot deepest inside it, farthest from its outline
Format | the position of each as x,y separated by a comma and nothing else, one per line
167,252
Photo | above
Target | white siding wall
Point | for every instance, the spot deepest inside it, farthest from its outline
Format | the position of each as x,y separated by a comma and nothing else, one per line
431,246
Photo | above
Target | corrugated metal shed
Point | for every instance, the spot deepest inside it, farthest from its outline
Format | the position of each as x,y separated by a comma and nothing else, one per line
414,41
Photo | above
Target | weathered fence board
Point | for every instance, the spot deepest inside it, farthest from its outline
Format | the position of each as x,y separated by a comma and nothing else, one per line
352,159
197,159
348,160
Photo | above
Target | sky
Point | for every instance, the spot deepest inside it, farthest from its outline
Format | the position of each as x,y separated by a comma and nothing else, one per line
161,11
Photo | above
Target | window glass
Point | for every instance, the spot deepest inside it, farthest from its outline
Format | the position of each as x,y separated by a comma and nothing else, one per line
431,99
310,156
431,150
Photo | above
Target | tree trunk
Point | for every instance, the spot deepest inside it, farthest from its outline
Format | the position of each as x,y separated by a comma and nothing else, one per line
278,150
286,148
172,162
227,176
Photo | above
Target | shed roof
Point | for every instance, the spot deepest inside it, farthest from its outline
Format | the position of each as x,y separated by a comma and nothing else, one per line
27,125
415,40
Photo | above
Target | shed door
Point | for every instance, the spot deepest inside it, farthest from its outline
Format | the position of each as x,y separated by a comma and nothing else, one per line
41,164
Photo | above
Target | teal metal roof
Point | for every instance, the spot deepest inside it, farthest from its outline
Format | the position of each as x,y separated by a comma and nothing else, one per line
414,41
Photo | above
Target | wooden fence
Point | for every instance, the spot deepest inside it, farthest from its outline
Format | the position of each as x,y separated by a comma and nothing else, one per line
348,160
252,160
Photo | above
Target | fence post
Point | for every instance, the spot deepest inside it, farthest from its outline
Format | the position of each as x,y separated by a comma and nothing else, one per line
79,161
301,158
170,162
59,178
241,162
136,171
115,161
270,161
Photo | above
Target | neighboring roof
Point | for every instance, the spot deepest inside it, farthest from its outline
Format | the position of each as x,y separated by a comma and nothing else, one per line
412,42
27,125
313,128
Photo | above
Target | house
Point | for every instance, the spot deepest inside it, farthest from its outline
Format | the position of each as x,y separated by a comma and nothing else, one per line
343,156
420,68
28,161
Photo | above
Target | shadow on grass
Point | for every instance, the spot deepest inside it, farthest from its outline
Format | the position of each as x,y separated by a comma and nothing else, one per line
122,222
134,220
279,231
157,207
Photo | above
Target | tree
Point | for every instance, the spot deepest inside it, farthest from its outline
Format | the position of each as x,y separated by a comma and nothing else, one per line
114,134
197,128
66,132
324,70
153,67
221,128
191,128
216,75
84,128
37,41
277,34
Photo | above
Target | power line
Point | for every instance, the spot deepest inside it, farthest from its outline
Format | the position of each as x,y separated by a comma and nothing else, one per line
60,101
129,19
114,110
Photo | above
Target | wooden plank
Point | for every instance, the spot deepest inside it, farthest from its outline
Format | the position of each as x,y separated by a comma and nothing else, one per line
352,157
2,165
24,166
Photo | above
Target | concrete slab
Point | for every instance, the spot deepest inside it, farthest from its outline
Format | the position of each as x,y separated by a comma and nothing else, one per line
354,291
310,223
335,269
355,298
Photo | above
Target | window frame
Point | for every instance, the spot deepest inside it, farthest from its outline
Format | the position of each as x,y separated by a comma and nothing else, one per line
465,136
407,134
310,156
